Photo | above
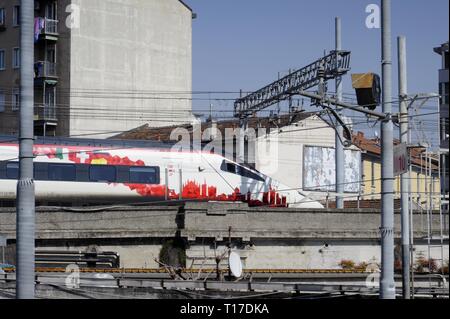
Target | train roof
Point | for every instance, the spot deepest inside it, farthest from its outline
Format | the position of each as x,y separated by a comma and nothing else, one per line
67,141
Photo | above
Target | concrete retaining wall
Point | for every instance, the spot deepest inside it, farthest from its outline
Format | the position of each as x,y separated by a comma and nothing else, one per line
265,238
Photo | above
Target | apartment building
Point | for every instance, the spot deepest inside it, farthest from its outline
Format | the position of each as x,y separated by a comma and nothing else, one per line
444,124
101,66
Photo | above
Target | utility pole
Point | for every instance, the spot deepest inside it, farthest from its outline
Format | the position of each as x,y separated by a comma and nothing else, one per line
387,284
243,123
339,157
405,180
243,126
25,214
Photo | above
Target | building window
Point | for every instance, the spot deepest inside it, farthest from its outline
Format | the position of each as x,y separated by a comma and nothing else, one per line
444,129
2,17
16,16
16,58
16,99
372,177
51,11
51,54
2,102
2,60
50,102
446,93
446,60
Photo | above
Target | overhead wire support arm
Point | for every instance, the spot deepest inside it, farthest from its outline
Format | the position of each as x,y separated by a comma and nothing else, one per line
326,100
340,122
336,63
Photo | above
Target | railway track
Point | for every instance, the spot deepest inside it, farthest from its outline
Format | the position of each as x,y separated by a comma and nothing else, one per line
285,281
223,271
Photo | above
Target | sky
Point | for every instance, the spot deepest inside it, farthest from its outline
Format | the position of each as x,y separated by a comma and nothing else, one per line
244,44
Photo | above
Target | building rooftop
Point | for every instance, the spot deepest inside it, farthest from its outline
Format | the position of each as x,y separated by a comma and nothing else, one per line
368,145
373,147
163,133
185,4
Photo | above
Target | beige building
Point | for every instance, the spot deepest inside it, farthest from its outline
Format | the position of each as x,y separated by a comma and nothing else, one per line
102,66
424,174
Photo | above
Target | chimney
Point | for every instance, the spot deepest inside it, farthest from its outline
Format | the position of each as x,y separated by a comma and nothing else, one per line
212,130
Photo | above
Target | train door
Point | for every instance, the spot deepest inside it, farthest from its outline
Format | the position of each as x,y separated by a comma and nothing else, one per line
173,177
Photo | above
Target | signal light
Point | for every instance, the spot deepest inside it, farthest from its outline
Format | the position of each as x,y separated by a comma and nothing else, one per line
368,89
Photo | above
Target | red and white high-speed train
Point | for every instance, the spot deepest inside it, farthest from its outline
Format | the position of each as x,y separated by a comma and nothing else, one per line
87,171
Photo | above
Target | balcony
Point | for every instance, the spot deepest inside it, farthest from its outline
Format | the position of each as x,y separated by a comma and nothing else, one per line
51,27
45,121
46,29
45,70
45,113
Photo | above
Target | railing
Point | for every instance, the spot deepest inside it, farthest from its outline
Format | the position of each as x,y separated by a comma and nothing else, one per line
43,69
46,112
51,26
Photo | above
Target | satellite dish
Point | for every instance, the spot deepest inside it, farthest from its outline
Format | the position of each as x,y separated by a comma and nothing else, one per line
235,264
103,276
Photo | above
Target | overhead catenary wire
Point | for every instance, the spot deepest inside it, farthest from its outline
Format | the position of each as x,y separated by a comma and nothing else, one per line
90,114
120,148
115,94
190,131
157,116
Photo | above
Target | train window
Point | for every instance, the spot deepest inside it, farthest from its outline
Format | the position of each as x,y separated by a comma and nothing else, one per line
249,174
144,175
12,170
230,168
239,170
102,173
62,172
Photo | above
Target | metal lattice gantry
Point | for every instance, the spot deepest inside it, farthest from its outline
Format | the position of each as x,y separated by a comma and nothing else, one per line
335,64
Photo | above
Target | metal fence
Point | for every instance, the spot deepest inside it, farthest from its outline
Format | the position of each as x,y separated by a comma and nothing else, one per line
51,26
45,112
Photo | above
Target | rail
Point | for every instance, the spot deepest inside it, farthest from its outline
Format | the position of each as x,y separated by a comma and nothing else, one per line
124,282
